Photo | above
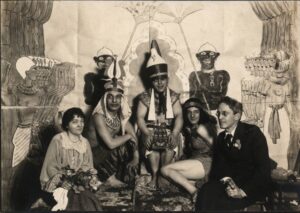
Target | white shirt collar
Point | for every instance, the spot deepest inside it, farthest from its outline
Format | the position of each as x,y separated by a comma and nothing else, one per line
232,132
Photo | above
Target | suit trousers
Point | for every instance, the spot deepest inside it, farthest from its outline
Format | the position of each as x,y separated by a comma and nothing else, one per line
212,196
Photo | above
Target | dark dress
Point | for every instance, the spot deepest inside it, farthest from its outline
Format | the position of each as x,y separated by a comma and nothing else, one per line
248,166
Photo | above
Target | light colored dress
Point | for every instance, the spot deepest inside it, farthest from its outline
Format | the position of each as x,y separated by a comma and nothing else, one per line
62,152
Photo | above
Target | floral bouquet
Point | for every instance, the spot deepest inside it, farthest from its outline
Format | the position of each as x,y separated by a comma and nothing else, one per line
79,180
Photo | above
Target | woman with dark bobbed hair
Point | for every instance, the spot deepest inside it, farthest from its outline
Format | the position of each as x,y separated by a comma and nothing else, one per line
68,154
200,132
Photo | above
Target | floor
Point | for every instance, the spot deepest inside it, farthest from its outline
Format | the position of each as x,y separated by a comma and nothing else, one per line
142,198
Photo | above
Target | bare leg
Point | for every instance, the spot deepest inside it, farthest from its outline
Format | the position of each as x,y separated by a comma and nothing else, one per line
167,157
181,171
154,158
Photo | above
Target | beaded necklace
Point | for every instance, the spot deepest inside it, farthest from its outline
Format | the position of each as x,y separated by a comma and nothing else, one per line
113,122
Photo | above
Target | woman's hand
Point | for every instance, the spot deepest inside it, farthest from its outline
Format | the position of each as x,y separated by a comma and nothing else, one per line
202,131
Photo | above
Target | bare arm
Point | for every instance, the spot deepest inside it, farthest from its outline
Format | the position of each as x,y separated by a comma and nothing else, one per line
178,118
130,130
202,131
141,113
105,134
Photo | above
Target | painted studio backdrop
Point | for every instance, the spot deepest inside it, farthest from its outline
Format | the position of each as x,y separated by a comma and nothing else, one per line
257,43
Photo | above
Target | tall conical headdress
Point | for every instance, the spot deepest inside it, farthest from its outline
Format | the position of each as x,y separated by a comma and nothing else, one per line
156,65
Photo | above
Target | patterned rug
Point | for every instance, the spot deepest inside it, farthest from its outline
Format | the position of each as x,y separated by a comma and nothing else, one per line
138,198
115,199
170,199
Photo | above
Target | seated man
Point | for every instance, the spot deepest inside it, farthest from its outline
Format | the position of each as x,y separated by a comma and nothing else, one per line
161,128
240,173
116,155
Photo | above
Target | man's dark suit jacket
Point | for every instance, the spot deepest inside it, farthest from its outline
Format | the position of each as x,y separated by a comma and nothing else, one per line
249,167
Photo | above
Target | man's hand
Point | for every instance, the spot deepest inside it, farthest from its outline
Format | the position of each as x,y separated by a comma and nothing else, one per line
173,140
133,163
235,193
148,140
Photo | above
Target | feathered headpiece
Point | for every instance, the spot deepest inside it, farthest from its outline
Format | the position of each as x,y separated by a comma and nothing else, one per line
114,74
114,84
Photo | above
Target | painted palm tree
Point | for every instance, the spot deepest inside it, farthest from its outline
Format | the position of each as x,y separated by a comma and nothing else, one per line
176,13
141,12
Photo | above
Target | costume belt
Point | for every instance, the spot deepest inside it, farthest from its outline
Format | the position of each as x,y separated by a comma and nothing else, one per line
158,126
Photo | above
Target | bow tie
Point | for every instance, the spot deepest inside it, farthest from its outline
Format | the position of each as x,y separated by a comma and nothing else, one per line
227,140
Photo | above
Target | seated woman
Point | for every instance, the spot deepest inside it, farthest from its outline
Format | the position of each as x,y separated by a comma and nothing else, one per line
68,154
199,131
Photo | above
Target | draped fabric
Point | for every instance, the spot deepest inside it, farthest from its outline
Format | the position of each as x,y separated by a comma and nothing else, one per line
279,33
21,35
277,18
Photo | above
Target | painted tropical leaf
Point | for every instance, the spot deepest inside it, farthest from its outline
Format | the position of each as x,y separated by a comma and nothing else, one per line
141,11
176,12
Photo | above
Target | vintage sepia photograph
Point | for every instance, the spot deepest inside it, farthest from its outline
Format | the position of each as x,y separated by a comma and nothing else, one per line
150,106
